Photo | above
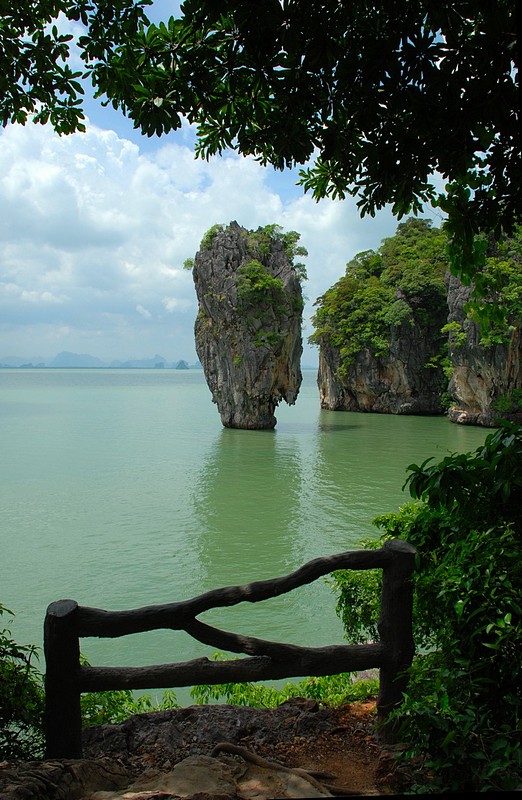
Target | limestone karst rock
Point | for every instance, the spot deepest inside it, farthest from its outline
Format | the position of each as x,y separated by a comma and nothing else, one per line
484,385
399,334
248,328
400,382
483,378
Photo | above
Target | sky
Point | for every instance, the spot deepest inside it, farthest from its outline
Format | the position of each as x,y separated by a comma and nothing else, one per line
95,227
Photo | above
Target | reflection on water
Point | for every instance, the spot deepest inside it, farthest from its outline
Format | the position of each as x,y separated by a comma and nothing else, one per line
247,503
329,425
361,461
247,500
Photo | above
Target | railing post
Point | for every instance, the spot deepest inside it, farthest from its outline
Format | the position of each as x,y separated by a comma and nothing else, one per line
63,721
395,629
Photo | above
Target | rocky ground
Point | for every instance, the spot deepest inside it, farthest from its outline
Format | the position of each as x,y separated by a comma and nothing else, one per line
144,757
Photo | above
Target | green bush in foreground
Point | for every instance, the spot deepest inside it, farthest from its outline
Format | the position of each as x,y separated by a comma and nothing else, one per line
461,718
102,708
113,707
21,699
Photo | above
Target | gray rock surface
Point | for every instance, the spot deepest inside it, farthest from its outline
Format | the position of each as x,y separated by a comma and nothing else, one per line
481,386
248,339
206,778
399,382
61,780
180,752
482,376
196,730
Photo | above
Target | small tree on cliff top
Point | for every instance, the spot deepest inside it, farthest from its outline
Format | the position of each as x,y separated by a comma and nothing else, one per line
384,95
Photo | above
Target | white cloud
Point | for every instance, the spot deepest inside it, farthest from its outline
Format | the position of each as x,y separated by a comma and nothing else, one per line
94,232
171,304
143,312
42,297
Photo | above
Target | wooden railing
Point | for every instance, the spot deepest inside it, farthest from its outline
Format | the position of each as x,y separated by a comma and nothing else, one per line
66,622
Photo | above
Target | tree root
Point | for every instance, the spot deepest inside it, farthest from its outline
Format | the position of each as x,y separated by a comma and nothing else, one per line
253,758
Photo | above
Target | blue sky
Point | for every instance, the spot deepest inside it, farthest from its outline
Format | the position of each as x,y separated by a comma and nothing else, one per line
95,228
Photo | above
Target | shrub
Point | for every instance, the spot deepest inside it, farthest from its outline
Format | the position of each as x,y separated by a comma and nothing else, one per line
331,690
256,286
261,239
21,699
113,707
462,712
210,235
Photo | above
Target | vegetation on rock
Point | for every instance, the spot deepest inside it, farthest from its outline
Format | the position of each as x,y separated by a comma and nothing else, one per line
210,235
256,287
260,240
496,303
248,328
401,283
404,284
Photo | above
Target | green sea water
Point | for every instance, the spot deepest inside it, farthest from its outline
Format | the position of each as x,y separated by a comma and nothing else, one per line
121,488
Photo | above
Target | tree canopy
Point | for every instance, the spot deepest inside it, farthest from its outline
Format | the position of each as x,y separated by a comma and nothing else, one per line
36,76
382,96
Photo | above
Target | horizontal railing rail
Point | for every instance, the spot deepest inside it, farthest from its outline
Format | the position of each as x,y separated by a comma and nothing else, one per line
66,623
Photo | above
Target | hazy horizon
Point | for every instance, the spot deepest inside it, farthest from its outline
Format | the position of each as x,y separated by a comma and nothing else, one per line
15,361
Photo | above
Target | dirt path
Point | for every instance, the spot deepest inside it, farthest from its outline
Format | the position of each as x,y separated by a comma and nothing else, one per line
349,751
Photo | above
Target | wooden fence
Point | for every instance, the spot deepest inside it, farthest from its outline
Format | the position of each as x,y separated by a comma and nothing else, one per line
66,622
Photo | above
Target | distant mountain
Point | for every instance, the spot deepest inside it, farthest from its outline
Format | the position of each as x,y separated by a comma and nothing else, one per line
68,360
156,362
65,359
15,361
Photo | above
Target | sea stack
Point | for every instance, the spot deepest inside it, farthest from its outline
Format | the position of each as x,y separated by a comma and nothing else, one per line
248,327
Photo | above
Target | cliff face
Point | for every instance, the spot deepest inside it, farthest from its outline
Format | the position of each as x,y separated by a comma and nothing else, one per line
486,382
248,328
484,378
399,382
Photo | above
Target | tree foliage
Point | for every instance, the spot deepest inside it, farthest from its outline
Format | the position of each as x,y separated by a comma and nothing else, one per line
404,282
36,76
381,96
21,699
384,95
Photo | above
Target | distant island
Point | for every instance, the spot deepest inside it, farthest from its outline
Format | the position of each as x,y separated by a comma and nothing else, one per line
67,360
